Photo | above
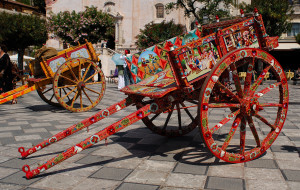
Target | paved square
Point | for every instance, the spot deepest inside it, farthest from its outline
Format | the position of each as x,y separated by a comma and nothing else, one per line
136,158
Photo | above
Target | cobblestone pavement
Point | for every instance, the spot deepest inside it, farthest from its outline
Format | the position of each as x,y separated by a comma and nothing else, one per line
135,158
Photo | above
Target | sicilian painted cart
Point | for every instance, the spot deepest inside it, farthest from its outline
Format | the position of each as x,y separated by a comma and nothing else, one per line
190,75
67,80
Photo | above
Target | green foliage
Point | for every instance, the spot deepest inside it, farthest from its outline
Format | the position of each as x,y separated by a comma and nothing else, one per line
202,9
27,2
276,14
155,33
298,38
73,27
22,30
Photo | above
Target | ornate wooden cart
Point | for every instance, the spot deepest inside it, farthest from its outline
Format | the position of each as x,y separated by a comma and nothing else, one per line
69,76
187,79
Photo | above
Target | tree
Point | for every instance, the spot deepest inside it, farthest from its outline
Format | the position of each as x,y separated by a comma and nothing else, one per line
73,27
276,14
22,31
155,33
202,9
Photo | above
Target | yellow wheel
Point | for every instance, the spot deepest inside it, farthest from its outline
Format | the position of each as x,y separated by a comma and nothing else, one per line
83,83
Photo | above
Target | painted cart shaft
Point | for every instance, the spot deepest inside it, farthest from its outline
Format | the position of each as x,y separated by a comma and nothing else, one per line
188,81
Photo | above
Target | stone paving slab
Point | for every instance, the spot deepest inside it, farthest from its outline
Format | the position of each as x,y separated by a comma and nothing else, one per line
136,186
136,158
224,183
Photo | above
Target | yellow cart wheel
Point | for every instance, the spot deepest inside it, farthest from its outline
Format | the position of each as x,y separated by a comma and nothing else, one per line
79,79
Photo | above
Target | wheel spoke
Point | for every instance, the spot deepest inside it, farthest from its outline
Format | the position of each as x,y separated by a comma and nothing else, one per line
74,98
242,136
179,116
259,80
154,117
237,81
47,90
264,120
87,96
266,90
224,121
73,74
168,117
187,111
66,86
90,77
91,83
223,105
93,91
67,95
232,131
86,71
51,97
253,129
68,79
228,92
248,79
270,105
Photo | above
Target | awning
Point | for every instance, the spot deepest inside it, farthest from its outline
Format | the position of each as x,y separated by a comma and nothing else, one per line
15,57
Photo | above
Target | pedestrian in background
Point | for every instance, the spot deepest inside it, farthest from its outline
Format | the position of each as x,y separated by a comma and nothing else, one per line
6,78
127,75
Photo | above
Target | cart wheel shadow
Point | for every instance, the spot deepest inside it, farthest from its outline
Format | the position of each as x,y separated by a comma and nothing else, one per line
54,109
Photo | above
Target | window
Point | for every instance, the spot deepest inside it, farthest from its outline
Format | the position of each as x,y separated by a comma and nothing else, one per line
159,10
295,29
109,6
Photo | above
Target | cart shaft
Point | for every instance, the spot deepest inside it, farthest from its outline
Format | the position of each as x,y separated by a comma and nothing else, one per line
90,141
77,127
10,95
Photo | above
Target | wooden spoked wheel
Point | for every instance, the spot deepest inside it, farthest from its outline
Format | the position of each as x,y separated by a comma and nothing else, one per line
46,94
241,123
179,119
78,78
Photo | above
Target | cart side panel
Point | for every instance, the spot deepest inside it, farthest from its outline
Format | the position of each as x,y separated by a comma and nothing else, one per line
84,51
155,59
198,57
240,35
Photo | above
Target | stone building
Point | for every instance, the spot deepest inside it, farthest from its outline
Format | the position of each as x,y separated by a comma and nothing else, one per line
130,16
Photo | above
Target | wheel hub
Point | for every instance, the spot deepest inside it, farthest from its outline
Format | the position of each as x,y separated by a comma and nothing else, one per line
245,106
81,85
249,106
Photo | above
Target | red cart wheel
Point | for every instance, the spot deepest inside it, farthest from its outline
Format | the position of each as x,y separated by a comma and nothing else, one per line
178,120
236,123
76,77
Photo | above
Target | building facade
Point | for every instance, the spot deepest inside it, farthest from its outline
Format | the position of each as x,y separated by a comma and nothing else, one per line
130,16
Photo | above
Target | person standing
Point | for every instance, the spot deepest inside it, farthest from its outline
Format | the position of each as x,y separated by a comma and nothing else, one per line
121,79
6,77
127,75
